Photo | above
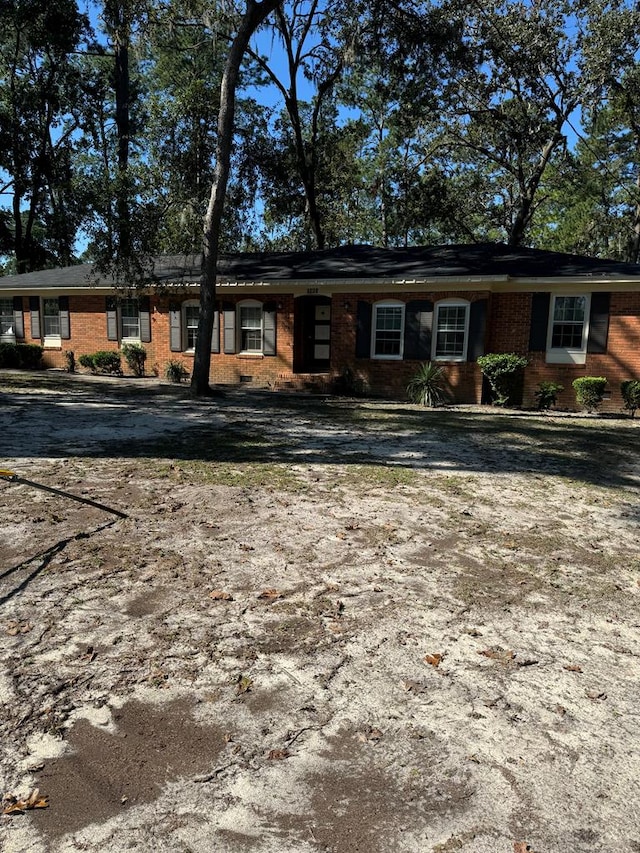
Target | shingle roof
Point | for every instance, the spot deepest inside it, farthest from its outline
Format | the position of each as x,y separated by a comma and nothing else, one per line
357,262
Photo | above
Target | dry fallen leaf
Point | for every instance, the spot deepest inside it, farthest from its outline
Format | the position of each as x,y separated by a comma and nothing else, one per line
220,595
14,628
502,655
12,805
434,660
573,668
278,754
269,594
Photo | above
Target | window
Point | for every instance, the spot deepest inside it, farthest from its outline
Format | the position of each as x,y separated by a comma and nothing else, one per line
191,318
250,327
51,318
452,331
7,328
567,333
387,330
130,319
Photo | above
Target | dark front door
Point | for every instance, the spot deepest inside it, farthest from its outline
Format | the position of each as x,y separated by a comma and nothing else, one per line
313,334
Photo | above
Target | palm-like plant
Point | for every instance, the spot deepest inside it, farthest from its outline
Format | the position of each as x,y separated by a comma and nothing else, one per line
427,387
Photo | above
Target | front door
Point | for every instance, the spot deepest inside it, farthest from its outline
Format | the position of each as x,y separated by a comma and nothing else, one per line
313,334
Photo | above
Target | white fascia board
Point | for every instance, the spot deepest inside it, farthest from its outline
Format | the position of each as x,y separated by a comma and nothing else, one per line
569,284
365,285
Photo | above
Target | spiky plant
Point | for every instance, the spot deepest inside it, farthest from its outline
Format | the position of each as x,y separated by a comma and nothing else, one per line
427,387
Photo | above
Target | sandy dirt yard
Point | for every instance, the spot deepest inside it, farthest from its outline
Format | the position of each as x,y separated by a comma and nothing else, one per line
324,625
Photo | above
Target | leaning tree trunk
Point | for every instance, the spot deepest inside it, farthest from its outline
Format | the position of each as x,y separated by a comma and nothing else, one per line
254,15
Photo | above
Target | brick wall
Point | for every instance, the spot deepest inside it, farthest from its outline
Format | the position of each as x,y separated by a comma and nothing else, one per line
390,378
509,332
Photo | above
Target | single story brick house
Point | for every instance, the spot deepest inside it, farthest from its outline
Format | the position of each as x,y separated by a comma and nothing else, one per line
357,315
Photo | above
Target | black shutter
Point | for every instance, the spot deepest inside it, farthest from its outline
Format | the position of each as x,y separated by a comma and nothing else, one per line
18,317
175,328
215,334
539,322
112,318
269,329
34,308
418,322
65,323
599,322
477,329
229,328
144,308
363,330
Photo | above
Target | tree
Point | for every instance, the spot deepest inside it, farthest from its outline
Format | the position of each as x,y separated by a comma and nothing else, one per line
510,113
254,15
39,83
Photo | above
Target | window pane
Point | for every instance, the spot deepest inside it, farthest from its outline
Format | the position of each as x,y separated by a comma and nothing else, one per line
388,330
51,317
568,322
6,317
130,318
450,334
192,315
251,328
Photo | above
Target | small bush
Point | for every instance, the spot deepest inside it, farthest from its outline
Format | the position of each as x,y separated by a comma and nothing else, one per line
175,371
589,391
87,361
9,355
504,373
547,394
135,355
30,356
103,361
427,386
26,356
630,390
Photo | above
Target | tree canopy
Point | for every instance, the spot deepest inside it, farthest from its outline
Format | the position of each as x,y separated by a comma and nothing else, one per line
392,123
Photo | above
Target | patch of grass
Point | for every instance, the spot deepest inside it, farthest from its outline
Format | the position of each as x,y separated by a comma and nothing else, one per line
381,476
254,475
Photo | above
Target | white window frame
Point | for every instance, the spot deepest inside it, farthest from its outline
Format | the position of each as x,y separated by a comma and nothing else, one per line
49,339
450,303
190,303
568,355
128,339
249,303
9,334
387,303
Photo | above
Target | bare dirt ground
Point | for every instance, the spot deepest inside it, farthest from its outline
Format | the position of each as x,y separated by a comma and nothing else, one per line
324,625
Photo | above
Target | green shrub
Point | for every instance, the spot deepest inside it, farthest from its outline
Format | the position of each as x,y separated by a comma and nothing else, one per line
175,371
9,355
589,391
630,390
135,355
30,356
427,386
547,394
504,372
87,361
26,356
103,361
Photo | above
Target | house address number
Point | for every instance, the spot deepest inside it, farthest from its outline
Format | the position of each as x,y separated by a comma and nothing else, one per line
312,291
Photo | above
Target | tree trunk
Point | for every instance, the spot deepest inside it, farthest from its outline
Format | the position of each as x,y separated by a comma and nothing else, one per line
254,15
